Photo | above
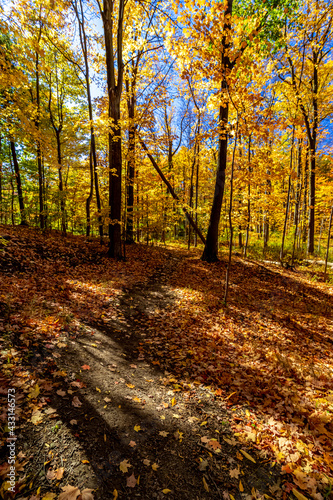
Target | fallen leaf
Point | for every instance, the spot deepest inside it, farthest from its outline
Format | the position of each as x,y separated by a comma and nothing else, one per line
131,481
173,402
78,384
146,461
115,494
241,487
248,456
34,392
205,484
85,461
155,466
131,386
132,443
36,417
214,444
61,393
234,473
163,433
48,496
50,475
203,465
60,473
124,465
69,493
298,495
137,428
85,367
86,494
166,491
107,400
76,402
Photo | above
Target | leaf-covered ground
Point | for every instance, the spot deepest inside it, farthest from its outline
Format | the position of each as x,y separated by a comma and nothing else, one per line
133,381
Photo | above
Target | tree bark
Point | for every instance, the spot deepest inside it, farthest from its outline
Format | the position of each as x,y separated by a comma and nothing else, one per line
39,152
288,195
18,183
210,253
1,200
328,242
230,217
91,192
114,86
61,184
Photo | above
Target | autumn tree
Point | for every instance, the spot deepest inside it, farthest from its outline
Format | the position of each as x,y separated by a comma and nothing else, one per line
306,66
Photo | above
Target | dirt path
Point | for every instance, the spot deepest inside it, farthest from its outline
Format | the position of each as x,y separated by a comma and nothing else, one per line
175,435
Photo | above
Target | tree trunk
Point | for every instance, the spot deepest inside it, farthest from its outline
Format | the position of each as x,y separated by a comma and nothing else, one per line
18,183
298,197
88,200
61,185
320,233
131,101
197,195
39,152
306,195
210,253
1,199
230,217
288,195
248,199
328,242
191,196
312,202
114,86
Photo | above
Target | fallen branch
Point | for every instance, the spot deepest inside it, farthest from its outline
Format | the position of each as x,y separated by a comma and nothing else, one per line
173,194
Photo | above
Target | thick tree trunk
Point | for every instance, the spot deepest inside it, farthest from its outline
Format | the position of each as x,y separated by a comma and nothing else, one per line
18,184
211,248
114,86
210,253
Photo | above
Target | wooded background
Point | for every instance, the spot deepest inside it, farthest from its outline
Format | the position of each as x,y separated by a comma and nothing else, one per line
168,121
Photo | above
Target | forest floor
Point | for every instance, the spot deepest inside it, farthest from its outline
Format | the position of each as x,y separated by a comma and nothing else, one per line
132,380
